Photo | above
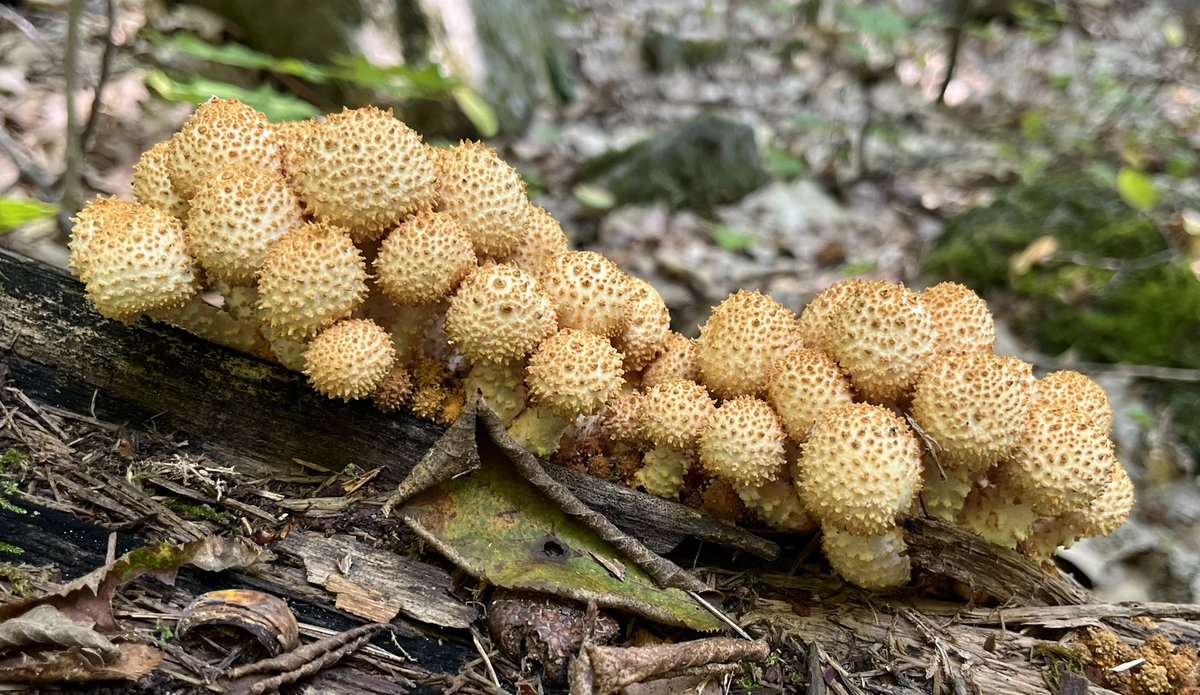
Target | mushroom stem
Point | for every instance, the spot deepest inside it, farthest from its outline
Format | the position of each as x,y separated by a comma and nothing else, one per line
538,430
662,471
210,323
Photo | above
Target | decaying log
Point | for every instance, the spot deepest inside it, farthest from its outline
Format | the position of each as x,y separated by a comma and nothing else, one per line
245,410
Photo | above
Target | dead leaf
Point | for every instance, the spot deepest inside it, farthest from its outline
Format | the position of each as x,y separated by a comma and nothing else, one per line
131,662
46,626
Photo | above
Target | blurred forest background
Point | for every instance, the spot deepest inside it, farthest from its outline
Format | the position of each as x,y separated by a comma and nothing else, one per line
1043,152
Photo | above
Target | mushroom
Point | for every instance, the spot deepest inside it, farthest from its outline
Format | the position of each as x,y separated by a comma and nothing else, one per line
743,442
310,279
1100,517
883,337
221,133
363,170
572,373
1079,390
649,325
424,259
486,195
498,315
861,466
677,360
152,181
544,242
872,562
502,386
960,318
777,503
817,318
100,212
393,392
589,292
671,417
998,514
235,216
803,386
350,359
739,342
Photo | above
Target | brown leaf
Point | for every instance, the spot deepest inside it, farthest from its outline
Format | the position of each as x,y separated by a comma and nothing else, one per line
131,662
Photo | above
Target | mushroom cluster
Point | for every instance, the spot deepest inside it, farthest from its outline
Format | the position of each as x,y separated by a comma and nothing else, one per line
385,269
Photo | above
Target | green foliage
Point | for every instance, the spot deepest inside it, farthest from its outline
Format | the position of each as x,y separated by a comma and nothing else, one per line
729,239
397,81
10,490
1111,291
197,511
13,458
882,23
783,165
18,582
1136,188
18,212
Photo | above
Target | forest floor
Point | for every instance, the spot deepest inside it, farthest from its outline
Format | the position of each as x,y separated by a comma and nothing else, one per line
867,166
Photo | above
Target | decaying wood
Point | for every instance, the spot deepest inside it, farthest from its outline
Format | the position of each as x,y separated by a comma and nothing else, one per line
61,352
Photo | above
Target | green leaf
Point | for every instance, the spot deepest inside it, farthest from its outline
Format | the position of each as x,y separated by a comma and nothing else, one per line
278,106
594,197
481,115
1136,189
880,22
237,55
730,240
18,212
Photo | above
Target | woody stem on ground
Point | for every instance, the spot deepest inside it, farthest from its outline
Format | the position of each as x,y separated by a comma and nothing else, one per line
71,179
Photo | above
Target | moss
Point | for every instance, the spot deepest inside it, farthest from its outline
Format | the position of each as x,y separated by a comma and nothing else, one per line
18,583
12,459
1105,295
198,512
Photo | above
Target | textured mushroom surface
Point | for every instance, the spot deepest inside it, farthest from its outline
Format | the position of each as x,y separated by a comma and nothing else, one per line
544,243
960,318
574,373
871,562
676,361
1062,461
804,385
424,259
817,318
152,181
861,467
498,315
221,133
674,413
350,359
486,195
310,279
743,442
648,327
589,292
1079,390
97,214
741,339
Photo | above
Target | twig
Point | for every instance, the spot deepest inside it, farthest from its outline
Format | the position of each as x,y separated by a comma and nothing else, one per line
105,68
487,662
74,153
23,25
1135,371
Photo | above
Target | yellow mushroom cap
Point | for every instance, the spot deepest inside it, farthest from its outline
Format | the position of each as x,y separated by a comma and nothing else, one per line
221,132
804,385
350,359
152,181
544,242
998,514
498,314
621,418
740,341
960,317
662,472
1070,387
1062,460
502,386
973,406
310,279
676,361
236,214
590,293
364,170
674,413
574,373
777,503
1100,517
871,562
291,136
100,212
883,337
743,442
648,327
817,318
424,259
137,261
393,392
861,467
486,195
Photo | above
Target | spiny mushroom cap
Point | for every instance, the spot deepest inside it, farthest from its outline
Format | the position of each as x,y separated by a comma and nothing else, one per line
960,317
424,259
1100,517
777,503
676,361
662,472
870,562
393,392
741,339
743,442
1072,387
1062,461
817,318
861,467
674,413
291,136
311,278
883,337
573,373
804,385
621,418
719,498
100,212
973,406
544,242
998,514
502,386
137,262
350,359
590,293
498,315
152,181
648,327
487,196
944,488
235,216
363,170
221,132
